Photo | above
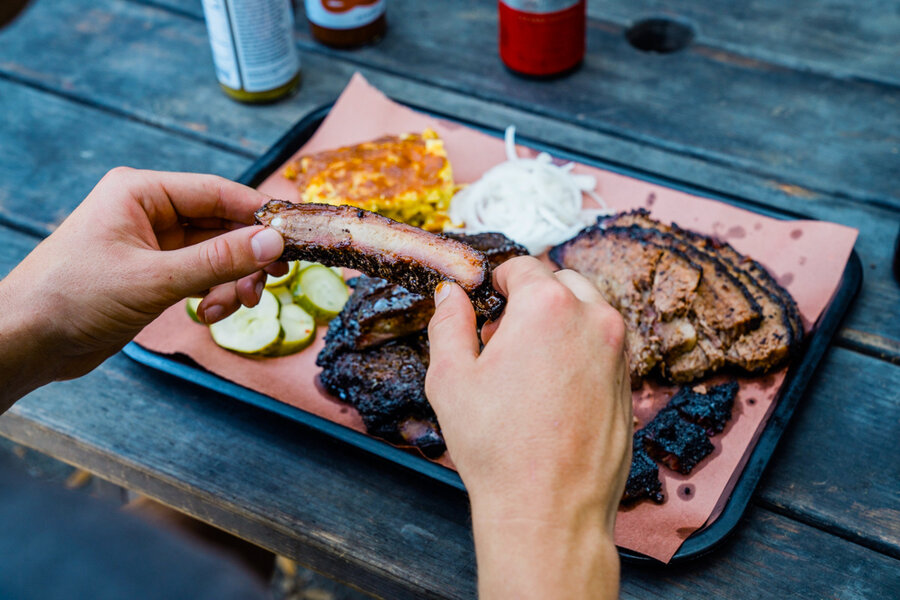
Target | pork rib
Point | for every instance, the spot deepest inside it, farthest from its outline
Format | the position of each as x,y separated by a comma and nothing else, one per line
346,236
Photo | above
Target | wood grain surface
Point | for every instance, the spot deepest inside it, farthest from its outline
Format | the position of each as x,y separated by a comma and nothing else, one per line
176,95
94,84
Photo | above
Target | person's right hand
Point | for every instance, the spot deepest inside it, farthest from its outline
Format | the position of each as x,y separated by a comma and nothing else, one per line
538,424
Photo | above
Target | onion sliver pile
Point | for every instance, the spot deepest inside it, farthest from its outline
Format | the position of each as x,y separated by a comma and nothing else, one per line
531,200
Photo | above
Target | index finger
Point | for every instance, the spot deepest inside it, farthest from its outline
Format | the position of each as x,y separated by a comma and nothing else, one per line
166,195
519,271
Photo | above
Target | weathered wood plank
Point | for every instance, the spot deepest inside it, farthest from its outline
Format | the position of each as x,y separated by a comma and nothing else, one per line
341,512
841,39
138,428
175,90
772,557
837,465
872,344
837,38
832,136
53,152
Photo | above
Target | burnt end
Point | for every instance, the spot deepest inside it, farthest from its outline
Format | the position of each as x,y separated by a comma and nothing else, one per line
424,434
377,312
678,444
376,352
488,302
710,410
643,476
386,384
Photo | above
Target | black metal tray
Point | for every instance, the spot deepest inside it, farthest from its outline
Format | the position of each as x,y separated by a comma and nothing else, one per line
703,540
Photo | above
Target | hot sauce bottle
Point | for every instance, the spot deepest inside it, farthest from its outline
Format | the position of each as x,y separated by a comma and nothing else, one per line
346,23
542,38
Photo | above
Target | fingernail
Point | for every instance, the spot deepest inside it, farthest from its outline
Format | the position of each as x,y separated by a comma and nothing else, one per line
213,313
260,286
267,245
441,292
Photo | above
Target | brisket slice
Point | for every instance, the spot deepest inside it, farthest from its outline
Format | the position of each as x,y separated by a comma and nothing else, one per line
722,310
650,285
765,346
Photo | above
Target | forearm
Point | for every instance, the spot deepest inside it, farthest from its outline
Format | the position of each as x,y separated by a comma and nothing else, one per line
25,364
560,553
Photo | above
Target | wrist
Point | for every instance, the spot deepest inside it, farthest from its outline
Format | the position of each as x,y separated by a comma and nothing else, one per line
551,545
25,356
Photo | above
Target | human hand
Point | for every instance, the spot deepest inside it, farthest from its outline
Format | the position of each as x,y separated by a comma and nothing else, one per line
538,424
140,242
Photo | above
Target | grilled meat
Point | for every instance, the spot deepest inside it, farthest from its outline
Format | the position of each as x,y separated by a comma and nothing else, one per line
651,285
675,442
376,353
377,312
734,314
386,384
711,409
643,476
780,330
378,246
678,436
495,246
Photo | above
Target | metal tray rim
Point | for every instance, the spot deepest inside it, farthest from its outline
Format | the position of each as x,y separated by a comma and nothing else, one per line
702,541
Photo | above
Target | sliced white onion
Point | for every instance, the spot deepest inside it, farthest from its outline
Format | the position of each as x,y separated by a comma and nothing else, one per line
531,200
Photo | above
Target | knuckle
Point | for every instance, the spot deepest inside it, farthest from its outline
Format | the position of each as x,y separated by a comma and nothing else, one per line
438,372
442,319
613,326
118,174
220,259
555,296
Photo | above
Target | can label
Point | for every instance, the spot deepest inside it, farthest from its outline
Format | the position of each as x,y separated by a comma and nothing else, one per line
252,43
542,37
344,14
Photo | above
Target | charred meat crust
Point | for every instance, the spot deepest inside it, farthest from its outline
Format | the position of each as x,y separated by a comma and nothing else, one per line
753,274
643,475
675,442
653,286
377,312
495,246
386,384
376,355
678,436
400,253
710,410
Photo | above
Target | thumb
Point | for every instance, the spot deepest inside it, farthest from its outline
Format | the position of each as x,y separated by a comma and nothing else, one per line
452,337
221,259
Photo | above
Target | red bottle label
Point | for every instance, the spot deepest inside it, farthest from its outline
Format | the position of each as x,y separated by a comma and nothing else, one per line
542,43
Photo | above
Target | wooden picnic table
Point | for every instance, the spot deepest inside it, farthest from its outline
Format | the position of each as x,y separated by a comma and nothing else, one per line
790,105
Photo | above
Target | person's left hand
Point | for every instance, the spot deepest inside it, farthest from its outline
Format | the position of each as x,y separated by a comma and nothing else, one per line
139,243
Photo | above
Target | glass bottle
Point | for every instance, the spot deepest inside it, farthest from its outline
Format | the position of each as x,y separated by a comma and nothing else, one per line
346,23
253,48
542,38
